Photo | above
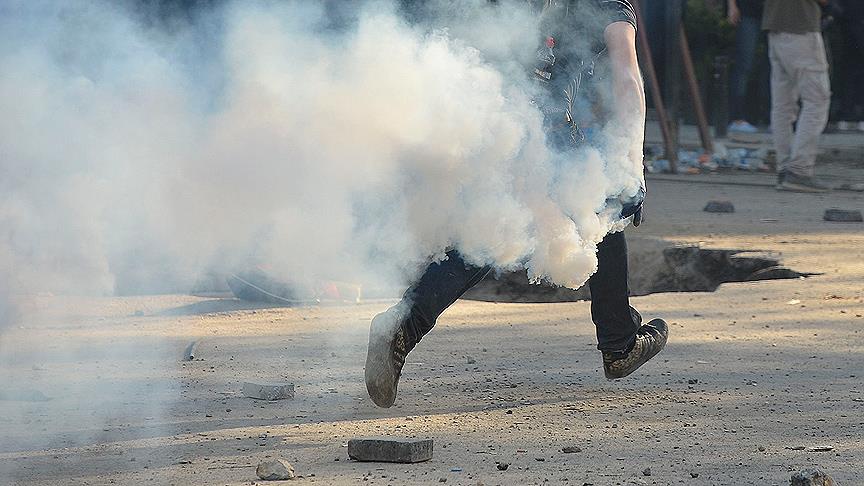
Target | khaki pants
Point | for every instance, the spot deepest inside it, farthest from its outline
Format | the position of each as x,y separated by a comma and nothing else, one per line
799,71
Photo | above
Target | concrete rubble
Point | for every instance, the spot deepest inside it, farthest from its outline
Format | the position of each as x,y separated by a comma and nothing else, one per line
275,470
268,391
811,477
388,449
719,207
843,215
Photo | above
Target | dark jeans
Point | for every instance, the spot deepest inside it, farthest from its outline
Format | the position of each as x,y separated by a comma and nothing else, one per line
747,37
444,282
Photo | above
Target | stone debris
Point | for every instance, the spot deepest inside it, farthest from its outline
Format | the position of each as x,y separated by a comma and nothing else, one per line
694,475
268,391
571,449
719,207
812,477
843,215
646,471
387,449
275,470
502,466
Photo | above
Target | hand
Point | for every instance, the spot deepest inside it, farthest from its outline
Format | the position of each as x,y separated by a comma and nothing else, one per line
734,15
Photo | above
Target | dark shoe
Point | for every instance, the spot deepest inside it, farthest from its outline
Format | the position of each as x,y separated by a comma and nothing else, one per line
650,340
385,356
781,176
799,183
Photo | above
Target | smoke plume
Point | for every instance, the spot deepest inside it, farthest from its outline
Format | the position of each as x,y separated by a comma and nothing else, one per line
327,140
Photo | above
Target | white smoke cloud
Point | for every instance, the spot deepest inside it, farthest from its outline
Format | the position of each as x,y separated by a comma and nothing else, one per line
134,158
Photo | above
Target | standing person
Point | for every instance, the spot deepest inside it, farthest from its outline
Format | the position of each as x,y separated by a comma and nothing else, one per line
851,112
625,343
799,72
746,16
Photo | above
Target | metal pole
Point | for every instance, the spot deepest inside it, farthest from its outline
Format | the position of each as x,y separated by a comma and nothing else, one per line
671,153
720,96
695,94
673,13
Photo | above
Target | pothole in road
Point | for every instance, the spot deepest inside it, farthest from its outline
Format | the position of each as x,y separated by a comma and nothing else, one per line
655,266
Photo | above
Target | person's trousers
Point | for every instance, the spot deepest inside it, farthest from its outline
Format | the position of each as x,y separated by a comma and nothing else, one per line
799,71
746,40
444,282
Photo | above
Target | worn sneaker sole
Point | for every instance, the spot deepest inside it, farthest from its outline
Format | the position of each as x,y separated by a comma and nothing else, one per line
382,371
642,351
793,187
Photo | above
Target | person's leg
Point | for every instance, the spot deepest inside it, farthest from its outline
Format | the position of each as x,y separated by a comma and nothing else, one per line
746,40
438,288
615,320
396,331
625,342
811,73
784,99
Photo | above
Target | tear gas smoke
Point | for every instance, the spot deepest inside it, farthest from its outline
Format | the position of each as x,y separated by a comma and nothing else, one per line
348,144
133,157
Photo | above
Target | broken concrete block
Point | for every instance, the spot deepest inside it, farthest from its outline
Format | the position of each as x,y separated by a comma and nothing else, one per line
268,391
843,215
275,470
811,477
719,207
387,449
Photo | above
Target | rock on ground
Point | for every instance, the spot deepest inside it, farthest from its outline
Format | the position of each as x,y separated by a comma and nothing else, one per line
385,449
275,470
812,477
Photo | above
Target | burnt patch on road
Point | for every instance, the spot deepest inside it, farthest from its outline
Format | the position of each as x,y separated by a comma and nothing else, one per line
655,266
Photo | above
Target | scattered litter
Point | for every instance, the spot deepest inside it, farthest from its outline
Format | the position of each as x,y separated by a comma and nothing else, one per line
843,215
820,449
268,391
502,466
695,162
646,471
694,475
571,449
275,470
455,469
794,302
719,207
387,449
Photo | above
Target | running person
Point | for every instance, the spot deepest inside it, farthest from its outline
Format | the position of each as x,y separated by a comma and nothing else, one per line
580,36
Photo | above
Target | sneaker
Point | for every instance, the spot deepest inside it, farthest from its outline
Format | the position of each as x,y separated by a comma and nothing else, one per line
799,183
845,126
385,356
741,126
781,176
650,340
